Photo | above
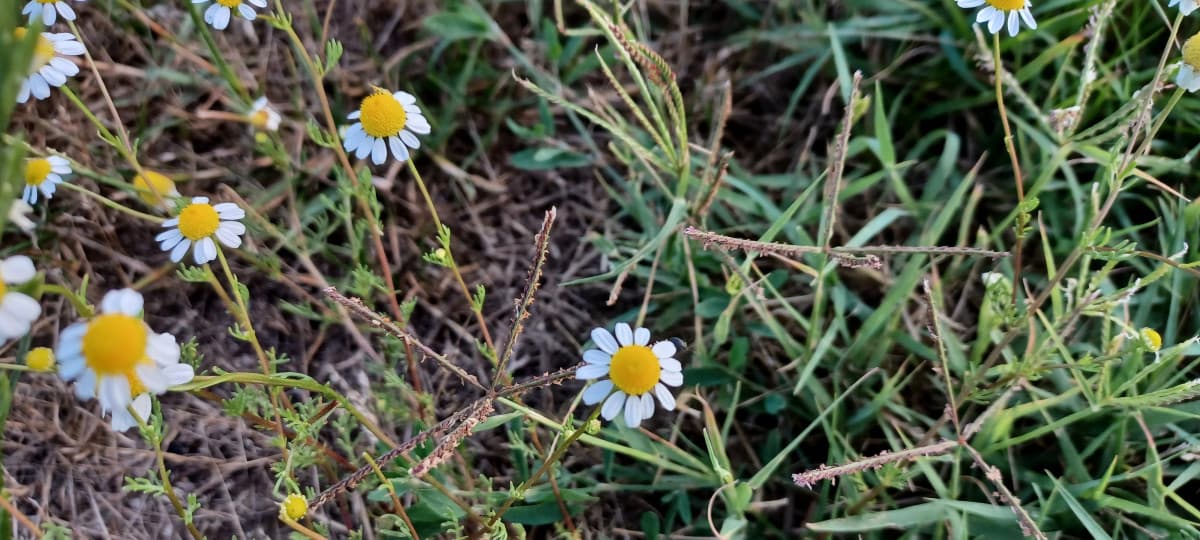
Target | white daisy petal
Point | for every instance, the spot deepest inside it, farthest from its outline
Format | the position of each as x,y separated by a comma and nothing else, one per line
633,411
122,420
597,356
664,349
591,371
604,340
113,392
179,374
597,392
85,387
409,139
152,378
141,406
69,368
17,269
365,147
228,236
612,405
665,397
670,364
163,349
247,12
404,98
398,148
379,152
647,406
672,378
996,22
65,10
180,250
624,334
229,211
641,336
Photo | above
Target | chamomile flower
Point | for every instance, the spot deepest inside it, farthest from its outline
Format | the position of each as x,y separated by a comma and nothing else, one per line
219,13
996,12
18,214
50,65
1186,7
197,224
1189,69
40,359
155,189
17,310
44,175
634,369
48,11
118,359
264,116
386,120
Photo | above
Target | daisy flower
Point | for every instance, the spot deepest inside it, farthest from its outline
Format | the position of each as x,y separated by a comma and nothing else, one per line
44,175
385,120
118,359
996,12
198,223
17,310
1186,7
155,189
50,65
18,214
219,13
633,369
48,11
264,116
1189,69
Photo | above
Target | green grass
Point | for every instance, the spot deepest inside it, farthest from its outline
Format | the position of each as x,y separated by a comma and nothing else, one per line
837,253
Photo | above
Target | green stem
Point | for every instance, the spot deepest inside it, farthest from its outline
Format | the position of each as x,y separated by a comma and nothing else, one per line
113,204
163,475
1010,147
81,305
226,73
554,458
462,284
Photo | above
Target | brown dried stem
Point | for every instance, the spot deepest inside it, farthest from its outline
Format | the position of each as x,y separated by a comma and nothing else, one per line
808,478
1028,527
532,282
790,250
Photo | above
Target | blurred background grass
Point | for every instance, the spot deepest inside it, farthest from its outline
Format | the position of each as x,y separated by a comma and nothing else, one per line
798,362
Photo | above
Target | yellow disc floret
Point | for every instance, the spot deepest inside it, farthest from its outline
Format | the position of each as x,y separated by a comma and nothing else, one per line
1007,5
39,359
115,344
198,220
231,4
381,115
1191,52
3,288
153,187
634,369
1152,338
294,507
36,171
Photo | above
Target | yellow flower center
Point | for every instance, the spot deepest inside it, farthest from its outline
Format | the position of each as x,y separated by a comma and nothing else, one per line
46,1
1191,51
230,3
115,344
39,359
259,119
1153,339
1007,5
634,369
382,115
153,187
199,220
36,171
3,288
43,51
294,506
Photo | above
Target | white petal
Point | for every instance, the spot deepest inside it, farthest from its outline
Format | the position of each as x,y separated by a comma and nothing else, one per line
409,139
85,387
151,377
17,269
179,374
968,4
597,392
633,411
664,397
379,152
647,406
38,86
365,147
21,307
612,405
229,211
163,349
404,98
398,148
48,15
259,3
985,14
221,19
354,115
670,364
671,378
168,239
247,12
229,236
23,93
1027,16
996,22
597,356
127,301
173,222
205,251
69,368
664,349
141,406
53,76
114,392
604,340
624,334
418,125
66,11
1014,23
69,47
122,420
591,371
180,250
641,336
